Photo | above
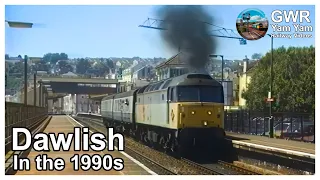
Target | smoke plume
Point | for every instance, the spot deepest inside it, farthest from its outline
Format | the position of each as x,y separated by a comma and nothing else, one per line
187,32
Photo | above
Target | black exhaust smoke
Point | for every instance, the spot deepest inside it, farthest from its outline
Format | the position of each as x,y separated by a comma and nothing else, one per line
187,32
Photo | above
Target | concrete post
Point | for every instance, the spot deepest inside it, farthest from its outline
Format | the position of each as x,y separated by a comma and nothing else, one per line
40,95
35,89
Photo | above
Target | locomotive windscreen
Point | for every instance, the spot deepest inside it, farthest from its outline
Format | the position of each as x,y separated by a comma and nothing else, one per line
200,94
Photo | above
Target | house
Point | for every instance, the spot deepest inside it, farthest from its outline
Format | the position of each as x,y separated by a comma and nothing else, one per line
244,79
69,74
174,66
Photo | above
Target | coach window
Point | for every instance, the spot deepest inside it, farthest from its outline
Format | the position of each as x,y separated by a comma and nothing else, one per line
150,89
166,84
146,90
162,96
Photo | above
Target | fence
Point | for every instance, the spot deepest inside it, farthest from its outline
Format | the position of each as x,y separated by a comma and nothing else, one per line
20,115
295,126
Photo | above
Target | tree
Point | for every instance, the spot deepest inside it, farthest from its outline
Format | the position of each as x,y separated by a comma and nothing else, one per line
102,68
256,56
110,64
53,58
293,82
82,66
42,66
64,67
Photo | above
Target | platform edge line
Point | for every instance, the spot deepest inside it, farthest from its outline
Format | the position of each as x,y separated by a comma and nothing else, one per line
287,151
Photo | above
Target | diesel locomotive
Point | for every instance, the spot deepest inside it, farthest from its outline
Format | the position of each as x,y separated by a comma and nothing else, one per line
175,114
260,27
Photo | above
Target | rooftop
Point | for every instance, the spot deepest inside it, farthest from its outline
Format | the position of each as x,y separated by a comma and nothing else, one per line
175,60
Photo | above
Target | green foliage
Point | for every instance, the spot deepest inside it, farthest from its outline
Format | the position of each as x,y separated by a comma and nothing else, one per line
65,67
13,83
256,56
15,68
54,57
41,66
82,66
293,80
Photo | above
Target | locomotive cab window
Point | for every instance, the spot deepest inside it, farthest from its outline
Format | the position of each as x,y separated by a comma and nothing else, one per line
200,94
172,94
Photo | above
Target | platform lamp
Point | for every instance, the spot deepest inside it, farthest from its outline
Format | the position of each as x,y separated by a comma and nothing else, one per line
16,24
271,121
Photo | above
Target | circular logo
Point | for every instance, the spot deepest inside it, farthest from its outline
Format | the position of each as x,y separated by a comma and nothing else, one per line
252,24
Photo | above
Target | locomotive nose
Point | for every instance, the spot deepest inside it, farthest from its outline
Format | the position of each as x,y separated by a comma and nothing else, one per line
200,115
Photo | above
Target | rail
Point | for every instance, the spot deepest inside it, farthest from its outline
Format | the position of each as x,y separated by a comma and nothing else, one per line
162,169
202,168
237,168
20,115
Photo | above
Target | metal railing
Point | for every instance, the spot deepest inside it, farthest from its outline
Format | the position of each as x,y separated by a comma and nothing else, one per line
287,125
20,115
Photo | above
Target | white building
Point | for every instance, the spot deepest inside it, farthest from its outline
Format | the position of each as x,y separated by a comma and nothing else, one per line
86,105
9,98
69,104
69,74
111,76
142,74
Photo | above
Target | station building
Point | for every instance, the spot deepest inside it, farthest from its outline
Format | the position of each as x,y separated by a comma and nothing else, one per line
174,66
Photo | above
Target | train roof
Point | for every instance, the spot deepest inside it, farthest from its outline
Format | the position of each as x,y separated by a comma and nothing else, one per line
185,79
120,95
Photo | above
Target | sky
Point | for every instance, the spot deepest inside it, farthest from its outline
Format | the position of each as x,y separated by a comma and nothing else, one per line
112,31
255,14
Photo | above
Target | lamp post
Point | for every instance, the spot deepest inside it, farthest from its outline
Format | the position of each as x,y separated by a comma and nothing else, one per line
222,63
16,24
270,93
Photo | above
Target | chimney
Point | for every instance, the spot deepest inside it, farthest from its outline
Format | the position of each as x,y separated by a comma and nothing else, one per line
245,64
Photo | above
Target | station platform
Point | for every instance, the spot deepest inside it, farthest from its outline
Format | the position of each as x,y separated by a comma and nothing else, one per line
65,124
281,145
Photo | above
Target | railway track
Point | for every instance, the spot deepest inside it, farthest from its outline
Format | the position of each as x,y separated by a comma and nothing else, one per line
166,165
203,169
161,170
220,171
237,168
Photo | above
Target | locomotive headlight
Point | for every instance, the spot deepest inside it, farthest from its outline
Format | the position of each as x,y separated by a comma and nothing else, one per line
205,123
192,112
209,112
